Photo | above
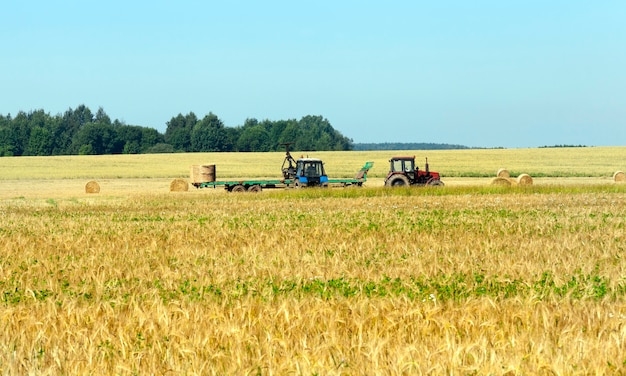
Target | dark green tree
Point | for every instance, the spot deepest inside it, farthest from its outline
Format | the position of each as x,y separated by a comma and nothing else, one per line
255,138
179,129
289,133
7,146
180,139
19,133
149,138
71,122
129,139
209,135
40,142
101,117
232,137
275,130
95,138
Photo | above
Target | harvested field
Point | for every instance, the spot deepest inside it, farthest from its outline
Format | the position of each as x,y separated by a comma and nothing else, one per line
468,278
599,162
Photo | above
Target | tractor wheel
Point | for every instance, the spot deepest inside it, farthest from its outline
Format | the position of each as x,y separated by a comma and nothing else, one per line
398,181
436,183
238,188
255,188
296,184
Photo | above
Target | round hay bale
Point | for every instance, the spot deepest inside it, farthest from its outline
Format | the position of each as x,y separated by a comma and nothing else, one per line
92,187
524,179
619,176
179,185
503,182
202,174
503,173
208,172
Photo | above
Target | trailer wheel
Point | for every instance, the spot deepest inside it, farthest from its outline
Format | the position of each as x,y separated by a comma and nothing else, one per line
397,181
254,188
238,188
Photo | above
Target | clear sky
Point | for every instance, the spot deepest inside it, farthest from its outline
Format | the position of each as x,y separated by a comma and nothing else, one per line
485,73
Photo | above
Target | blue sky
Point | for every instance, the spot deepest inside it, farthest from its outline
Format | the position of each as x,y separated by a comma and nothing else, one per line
519,73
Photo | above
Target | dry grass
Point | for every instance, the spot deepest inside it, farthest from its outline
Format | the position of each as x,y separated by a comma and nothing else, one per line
398,282
559,162
465,279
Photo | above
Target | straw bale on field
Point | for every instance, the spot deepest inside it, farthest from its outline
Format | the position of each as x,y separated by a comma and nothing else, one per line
524,179
619,176
503,173
179,185
92,187
504,182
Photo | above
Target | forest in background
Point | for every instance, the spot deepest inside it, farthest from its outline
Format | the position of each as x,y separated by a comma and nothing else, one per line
79,131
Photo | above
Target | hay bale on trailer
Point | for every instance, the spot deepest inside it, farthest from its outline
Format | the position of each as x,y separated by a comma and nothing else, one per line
503,173
202,174
524,179
619,177
179,185
92,187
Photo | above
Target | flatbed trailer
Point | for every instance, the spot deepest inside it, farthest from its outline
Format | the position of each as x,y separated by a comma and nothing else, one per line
257,185
251,185
358,180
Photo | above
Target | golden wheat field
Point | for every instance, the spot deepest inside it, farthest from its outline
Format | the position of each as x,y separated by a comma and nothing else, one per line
463,279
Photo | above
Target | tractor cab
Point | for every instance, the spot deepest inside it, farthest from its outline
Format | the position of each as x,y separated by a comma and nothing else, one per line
403,164
310,173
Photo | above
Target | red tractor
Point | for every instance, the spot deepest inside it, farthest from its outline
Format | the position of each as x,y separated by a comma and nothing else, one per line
403,172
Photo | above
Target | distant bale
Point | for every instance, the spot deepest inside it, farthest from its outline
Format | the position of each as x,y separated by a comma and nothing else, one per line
179,185
503,173
619,176
92,187
524,179
502,182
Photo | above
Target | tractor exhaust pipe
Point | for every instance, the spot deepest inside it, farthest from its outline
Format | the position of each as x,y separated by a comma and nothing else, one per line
427,170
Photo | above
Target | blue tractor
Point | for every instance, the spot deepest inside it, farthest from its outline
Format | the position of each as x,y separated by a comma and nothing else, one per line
310,173
305,172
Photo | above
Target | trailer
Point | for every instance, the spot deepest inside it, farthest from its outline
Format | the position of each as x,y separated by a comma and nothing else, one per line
251,185
358,180
304,176
305,172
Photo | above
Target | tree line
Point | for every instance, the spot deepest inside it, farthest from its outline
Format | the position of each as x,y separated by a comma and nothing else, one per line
79,131
407,146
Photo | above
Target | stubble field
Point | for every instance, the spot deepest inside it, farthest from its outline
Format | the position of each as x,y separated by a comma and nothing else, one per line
464,279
